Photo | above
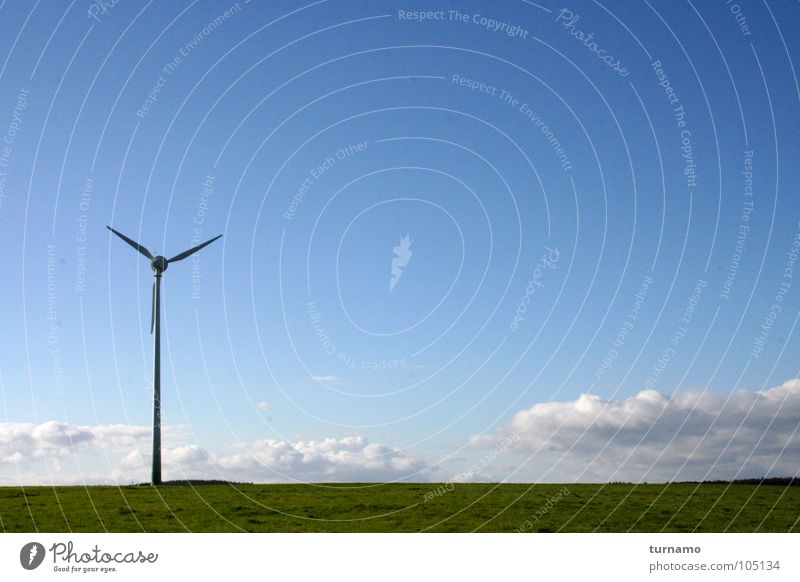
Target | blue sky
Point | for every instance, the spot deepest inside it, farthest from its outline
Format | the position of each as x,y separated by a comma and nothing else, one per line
525,169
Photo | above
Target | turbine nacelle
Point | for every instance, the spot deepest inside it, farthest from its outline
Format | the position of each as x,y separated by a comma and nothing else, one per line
159,264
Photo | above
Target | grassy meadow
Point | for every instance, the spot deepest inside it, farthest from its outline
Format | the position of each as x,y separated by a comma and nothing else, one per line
402,508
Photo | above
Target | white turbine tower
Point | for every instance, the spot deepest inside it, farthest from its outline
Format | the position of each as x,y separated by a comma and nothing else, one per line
159,265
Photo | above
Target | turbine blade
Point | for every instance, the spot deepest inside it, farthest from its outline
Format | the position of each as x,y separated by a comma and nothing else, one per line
192,250
153,310
133,243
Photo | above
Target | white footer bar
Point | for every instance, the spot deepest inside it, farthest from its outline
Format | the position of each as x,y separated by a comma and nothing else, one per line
406,557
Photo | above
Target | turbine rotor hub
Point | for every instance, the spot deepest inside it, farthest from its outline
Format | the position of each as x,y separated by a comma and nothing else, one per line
159,264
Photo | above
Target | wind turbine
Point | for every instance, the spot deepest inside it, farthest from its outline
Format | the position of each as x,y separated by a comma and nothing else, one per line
159,264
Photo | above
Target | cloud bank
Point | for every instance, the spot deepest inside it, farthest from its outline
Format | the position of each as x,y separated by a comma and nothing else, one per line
60,453
652,437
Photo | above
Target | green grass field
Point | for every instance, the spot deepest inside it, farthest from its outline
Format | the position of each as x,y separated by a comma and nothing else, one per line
402,508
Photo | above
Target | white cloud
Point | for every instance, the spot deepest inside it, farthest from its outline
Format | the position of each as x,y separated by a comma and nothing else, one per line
52,439
60,453
327,379
652,437
264,406
347,459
